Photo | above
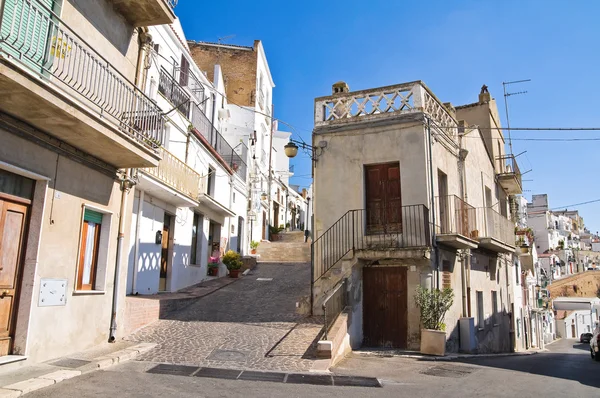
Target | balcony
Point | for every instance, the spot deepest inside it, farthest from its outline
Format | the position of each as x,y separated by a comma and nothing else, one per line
372,234
510,177
176,175
212,137
52,79
406,99
456,223
146,12
172,91
494,231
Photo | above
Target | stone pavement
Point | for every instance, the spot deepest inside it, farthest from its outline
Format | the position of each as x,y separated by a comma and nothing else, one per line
251,324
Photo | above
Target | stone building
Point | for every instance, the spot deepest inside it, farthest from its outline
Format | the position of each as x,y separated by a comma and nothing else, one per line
411,191
72,125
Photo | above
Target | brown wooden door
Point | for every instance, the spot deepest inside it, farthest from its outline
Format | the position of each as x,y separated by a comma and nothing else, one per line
383,197
13,223
385,312
164,257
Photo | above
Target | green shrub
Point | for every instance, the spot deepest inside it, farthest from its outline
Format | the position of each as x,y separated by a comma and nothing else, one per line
433,305
254,245
232,260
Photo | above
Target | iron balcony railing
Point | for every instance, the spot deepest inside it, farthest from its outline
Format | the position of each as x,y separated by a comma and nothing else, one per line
192,83
388,228
455,216
169,87
44,44
491,224
172,3
334,305
234,159
176,174
509,165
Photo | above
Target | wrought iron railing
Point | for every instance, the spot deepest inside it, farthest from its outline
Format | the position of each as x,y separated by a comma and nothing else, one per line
455,216
234,159
375,229
176,174
187,79
334,305
509,166
172,3
491,224
168,87
43,43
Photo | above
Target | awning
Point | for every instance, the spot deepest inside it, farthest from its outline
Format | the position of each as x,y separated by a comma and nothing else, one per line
214,206
576,303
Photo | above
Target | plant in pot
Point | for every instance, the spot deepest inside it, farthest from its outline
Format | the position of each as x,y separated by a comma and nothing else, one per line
233,262
273,233
213,266
433,305
253,247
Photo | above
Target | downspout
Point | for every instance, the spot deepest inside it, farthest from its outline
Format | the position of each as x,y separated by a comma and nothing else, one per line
461,168
230,206
433,237
269,178
126,184
136,260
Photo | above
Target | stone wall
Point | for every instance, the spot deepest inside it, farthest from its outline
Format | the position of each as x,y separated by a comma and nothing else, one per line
580,285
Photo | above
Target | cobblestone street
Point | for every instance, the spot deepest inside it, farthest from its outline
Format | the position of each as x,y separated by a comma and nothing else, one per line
250,324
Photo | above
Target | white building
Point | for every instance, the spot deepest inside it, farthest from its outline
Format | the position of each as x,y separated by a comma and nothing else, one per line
571,324
189,208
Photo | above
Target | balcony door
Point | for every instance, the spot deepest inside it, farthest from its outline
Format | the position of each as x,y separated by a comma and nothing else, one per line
383,198
29,32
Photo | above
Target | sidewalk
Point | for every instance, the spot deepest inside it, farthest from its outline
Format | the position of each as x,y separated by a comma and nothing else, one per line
25,379
448,357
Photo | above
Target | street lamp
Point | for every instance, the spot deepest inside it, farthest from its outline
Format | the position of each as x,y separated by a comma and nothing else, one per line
291,149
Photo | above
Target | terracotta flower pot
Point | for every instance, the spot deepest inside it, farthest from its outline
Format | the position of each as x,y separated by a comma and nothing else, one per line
234,273
253,251
213,271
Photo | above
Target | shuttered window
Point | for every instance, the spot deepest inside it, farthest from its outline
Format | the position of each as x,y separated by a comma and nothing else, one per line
29,31
88,253
184,72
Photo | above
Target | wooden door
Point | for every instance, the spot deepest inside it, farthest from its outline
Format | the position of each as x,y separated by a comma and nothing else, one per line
383,198
443,200
13,223
385,311
264,226
164,257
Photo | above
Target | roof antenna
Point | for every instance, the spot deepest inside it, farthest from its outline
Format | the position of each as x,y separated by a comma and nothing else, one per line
220,40
506,95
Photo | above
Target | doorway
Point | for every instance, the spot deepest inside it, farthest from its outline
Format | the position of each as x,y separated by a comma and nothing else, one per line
443,202
264,226
383,198
166,249
385,307
276,215
240,234
13,223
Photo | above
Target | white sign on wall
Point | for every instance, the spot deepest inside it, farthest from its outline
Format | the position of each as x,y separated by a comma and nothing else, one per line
53,292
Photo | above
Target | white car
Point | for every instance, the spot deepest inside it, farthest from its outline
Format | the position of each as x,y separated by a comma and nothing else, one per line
594,343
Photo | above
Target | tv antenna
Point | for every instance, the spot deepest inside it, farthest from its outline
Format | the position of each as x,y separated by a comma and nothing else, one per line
222,39
506,95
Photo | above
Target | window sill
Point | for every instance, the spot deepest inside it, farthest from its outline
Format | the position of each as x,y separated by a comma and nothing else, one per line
480,329
88,292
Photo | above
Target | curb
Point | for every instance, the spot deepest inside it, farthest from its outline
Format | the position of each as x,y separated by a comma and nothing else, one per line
23,387
450,357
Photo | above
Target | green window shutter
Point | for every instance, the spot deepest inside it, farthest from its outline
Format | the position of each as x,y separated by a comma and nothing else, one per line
92,216
25,30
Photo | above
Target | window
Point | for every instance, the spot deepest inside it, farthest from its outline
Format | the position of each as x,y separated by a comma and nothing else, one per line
184,71
495,316
480,314
196,239
88,253
446,275
210,181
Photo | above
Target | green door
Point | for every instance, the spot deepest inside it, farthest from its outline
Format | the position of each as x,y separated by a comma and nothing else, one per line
27,29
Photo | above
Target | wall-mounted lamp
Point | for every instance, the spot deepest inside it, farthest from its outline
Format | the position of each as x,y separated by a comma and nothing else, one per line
158,238
291,149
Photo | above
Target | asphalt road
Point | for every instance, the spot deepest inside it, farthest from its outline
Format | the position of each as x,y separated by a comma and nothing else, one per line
566,370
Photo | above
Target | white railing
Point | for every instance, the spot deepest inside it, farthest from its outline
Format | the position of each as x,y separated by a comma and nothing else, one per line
383,102
176,174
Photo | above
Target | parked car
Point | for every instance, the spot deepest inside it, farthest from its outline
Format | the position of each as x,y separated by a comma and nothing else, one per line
585,337
594,343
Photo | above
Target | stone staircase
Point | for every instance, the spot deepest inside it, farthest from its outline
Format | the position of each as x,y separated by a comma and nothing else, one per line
290,248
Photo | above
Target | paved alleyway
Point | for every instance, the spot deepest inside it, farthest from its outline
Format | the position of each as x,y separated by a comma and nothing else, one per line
250,324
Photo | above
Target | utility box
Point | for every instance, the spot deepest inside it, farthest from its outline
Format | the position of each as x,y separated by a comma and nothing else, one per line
468,343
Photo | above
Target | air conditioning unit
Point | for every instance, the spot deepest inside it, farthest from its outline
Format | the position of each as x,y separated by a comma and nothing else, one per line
224,114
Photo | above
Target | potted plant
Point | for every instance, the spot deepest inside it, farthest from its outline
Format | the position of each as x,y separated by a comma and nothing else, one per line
433,305
233,262
253,247
273,233
213,266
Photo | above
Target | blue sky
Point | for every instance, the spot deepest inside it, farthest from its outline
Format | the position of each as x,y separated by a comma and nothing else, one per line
454,47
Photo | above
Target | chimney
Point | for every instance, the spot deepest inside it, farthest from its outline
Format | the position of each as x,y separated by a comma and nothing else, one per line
340,87
484,95
304,193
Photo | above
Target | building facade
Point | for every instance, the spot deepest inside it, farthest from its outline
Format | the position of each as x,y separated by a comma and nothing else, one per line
73,124
409,192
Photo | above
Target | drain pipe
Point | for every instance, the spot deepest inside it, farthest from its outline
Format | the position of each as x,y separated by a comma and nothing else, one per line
462,156
126,184
434,242
136,260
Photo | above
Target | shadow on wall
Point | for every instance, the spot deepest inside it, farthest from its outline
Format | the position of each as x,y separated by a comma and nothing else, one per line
104,18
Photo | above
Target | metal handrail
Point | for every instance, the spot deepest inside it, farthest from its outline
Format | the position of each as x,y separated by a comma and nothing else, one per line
44,44
171,89
371,229
455,216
